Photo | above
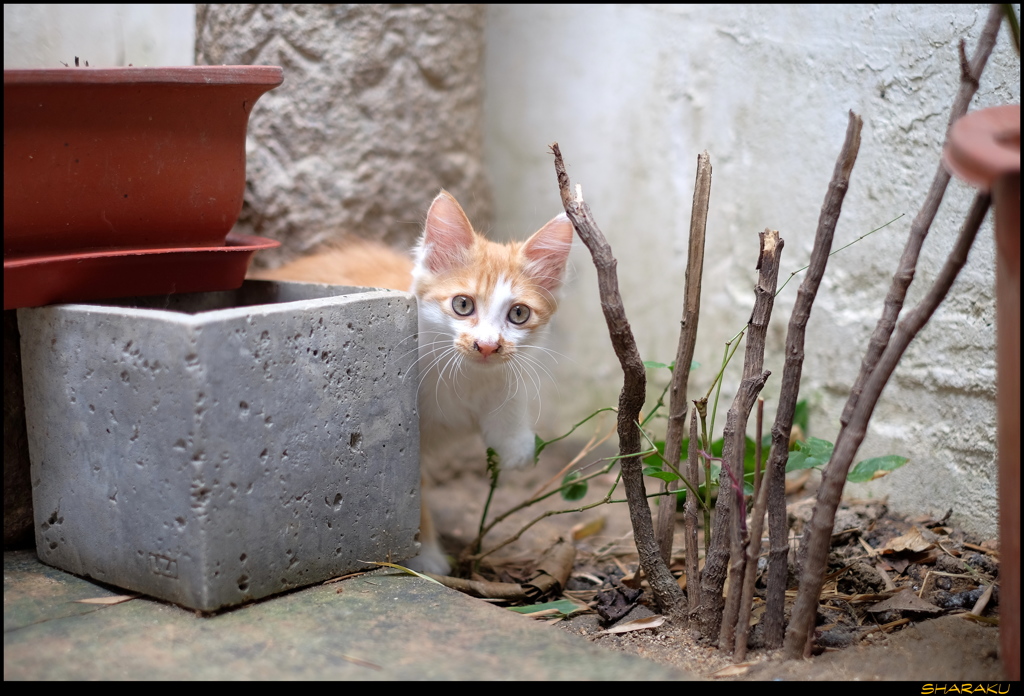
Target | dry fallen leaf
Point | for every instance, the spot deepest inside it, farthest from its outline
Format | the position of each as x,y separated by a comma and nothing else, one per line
632,580
114,599
585,529
905,601
912,541
990,620
732,670
635,625
358,661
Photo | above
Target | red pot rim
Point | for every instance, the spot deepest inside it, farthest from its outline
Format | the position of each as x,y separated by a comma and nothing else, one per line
97,275
187,74
233,243
984,145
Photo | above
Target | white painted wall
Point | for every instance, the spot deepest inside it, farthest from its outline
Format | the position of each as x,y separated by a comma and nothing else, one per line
633,93
41,36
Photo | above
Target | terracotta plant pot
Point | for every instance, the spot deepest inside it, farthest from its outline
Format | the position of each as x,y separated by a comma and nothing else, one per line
984,150
125,158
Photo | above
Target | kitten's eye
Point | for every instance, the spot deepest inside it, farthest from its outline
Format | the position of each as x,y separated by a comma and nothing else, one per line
519,314
463,305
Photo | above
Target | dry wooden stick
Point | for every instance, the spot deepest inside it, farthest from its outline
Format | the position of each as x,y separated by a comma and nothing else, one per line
797,637
789,393
750,571
850,438
758,434
734,448
690,520
684,353
508,591
631,399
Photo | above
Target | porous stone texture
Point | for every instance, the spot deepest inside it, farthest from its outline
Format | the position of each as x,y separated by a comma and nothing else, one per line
381,106
215,448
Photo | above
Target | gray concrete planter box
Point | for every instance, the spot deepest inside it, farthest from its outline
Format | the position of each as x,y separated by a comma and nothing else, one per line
215,448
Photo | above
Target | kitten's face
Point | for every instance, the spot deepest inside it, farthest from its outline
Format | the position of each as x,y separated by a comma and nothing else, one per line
483,303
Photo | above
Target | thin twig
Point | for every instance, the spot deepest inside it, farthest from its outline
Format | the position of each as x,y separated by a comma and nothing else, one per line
758,430
690,521
592,444
750,574
831,208
734,447
818,535
665,526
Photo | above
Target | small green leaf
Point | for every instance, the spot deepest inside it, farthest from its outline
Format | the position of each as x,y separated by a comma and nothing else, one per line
658,473
655,460
870,469
560,608
812,454
538,447
573,491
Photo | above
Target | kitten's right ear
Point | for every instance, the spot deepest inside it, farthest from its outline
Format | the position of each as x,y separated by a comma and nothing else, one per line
447,235
547,252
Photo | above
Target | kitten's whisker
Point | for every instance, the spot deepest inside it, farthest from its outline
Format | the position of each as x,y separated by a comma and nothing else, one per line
535,364
413,337
438,357
531,372
551,296
426,350
459,371
508,396
525,365
550,351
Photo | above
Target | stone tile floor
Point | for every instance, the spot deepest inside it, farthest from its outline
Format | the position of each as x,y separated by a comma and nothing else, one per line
382,626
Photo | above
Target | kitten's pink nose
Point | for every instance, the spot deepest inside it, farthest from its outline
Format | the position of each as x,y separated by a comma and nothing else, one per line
486,349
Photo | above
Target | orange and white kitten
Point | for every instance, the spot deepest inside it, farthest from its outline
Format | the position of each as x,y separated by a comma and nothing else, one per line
482,309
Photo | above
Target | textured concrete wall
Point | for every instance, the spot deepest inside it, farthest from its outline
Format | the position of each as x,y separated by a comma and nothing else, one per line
634,93
381,106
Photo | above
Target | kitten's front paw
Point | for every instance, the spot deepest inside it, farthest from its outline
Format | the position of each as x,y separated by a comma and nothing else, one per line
519,453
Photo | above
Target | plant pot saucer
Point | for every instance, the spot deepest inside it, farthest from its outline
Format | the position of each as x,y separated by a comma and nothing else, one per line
33,281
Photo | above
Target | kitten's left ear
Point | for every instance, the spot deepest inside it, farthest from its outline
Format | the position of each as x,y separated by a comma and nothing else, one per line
547,252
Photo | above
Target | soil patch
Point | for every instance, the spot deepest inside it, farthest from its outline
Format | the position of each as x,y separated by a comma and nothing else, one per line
897,606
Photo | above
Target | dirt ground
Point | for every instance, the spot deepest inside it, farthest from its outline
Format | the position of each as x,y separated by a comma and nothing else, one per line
857,638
